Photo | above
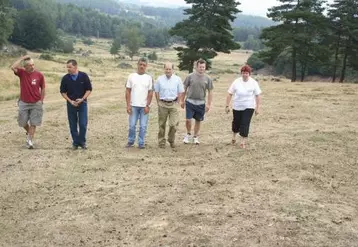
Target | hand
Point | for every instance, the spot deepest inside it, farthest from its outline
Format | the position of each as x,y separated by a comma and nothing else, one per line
129,110
182,105
79,101
257,111
146,110
227,109
74,103
207,108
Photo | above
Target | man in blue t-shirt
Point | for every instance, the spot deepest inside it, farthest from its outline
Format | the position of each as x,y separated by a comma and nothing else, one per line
75,89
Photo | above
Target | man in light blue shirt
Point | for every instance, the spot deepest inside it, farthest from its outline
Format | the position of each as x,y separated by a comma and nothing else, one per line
169,92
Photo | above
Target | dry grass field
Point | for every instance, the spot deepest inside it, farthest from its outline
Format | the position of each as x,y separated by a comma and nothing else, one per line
296,184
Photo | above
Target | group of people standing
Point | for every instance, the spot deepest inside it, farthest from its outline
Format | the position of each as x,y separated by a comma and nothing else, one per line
195,95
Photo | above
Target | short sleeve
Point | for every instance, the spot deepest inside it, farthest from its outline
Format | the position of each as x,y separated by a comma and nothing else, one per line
151,84
232,88
187,81
257,89
129,82
210,85
19,72
88,86
63,86
180,86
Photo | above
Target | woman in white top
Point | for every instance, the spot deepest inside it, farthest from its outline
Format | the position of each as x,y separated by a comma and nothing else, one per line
245,95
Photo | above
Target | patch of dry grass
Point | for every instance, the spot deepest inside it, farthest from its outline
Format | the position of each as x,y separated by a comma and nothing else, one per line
296,184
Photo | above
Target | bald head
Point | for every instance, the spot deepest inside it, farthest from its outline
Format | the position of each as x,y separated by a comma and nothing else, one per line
168,69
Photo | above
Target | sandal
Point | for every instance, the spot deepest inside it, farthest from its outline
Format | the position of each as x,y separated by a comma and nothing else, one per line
233,141
242,145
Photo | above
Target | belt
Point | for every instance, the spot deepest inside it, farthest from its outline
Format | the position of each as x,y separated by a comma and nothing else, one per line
169,101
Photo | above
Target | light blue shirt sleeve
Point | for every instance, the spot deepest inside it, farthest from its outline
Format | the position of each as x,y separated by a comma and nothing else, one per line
157,85
180,86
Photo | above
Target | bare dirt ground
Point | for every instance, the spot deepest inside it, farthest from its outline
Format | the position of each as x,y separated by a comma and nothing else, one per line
296,184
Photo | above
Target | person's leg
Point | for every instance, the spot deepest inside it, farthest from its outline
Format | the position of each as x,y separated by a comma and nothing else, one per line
235,124
83,121
245,125
189,113
35,119
173,124
162,122
143,122
72,114
199,117
23,118
133,118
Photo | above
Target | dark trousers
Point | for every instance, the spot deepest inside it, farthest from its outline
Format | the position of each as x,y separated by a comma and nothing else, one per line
241,121
77,119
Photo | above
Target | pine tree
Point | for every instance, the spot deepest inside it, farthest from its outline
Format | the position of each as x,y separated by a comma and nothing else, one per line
6,21
299,33
206,31
344,29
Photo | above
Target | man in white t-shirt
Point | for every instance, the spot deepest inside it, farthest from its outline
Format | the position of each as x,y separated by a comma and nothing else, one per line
245,92
139,94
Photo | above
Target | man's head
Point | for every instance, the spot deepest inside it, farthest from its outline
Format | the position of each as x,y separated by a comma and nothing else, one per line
168,69
142,65
29,65
72,66
246,72
201,66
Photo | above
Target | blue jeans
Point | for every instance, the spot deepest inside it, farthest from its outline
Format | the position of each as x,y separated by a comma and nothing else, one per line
77,119
137,113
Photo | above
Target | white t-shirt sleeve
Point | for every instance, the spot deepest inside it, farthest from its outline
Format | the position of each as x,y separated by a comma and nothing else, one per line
232,88
151,84
257,89
129,82
157,86
180,85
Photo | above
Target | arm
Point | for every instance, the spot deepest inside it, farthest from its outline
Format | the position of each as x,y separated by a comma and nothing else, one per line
157,97
182,101
17,65
72,102
42,95
210,100
128,100
228,100
258,103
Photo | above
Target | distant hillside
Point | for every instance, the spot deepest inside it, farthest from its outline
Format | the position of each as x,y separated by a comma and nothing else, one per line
166,17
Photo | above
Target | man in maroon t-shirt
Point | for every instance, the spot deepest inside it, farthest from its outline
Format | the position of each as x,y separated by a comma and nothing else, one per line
32,93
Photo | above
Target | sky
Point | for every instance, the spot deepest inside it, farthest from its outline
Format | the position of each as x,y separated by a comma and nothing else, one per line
248,7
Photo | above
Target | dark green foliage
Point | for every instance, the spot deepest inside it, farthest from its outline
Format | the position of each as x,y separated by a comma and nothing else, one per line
153,56
46,56
87,41
6,21
206,31
34,30
255,62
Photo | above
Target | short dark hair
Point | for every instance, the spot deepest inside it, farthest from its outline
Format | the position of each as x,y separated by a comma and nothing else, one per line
200,61
143,59
72,61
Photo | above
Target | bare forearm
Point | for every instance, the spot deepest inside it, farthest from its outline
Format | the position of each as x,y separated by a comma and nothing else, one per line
157,97
258,101
228,99
88,92
210,98
128,96
181,97
43,94
64,95
149,97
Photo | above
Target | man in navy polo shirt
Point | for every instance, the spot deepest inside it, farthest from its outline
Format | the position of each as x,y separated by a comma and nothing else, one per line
75,89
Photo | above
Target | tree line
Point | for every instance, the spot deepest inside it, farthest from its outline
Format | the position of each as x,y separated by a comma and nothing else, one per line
312,38
36,24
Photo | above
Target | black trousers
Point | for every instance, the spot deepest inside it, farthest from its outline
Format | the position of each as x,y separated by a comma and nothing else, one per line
241,121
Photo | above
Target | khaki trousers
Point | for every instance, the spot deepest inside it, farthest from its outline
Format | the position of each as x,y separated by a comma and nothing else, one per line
165,111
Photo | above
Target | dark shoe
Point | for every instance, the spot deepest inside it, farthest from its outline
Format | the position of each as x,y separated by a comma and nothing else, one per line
74,147
141,147
129,145
84,147
172,145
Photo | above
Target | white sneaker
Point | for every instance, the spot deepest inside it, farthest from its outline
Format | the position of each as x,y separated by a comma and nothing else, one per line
196,140
30,145
187,139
